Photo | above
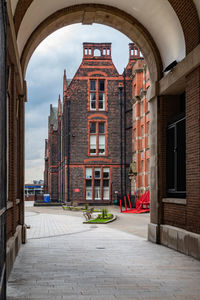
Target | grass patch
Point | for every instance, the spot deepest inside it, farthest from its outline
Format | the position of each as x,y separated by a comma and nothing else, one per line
101,220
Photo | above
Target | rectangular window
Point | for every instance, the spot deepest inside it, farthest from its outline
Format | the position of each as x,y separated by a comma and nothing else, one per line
101,144
92,127
97,189
92,85
97,140
93,145
175,158
88,183
97,94
105,183
101,85
101,101
89,173
97,173
101,127
93,101
97,183
106,173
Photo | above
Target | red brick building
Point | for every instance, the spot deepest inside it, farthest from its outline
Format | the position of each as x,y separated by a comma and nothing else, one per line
89,147
141,122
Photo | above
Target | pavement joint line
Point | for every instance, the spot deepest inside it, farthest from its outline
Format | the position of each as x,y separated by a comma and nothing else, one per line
34,214
59,235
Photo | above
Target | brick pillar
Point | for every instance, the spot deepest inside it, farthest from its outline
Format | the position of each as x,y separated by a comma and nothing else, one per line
193,150
21,164
153,228
3,150
12,168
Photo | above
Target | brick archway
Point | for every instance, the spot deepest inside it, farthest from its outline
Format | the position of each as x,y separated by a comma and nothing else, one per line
174,223
102,14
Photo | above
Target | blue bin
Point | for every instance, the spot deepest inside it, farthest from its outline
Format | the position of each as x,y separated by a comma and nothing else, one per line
46,198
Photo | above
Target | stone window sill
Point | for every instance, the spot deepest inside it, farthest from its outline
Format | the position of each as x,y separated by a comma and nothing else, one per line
180,201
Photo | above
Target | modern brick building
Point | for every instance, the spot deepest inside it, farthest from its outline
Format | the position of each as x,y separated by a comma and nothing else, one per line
89,147
33,191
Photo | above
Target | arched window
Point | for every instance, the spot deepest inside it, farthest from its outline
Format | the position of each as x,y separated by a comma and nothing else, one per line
97,52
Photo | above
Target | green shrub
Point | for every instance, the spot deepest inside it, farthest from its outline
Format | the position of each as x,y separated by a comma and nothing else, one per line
104,213
86,206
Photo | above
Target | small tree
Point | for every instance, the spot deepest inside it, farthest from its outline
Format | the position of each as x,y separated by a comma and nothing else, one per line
104,213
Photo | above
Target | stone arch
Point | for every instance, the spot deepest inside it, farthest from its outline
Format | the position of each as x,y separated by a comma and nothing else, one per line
102,14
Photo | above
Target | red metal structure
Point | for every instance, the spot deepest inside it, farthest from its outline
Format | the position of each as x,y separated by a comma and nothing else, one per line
142,205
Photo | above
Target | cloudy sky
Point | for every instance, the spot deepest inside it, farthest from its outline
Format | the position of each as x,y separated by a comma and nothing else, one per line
61,50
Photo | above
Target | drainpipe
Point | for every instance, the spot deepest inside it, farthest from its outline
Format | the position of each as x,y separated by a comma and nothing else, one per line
125,131
68,149
121,145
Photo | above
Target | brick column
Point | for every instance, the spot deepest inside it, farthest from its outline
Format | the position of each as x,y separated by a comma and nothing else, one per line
12,148
3,151
193,150
153,228
21,164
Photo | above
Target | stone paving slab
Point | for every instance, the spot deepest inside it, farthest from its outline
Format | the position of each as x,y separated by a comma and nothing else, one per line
47,225
65,259
132,223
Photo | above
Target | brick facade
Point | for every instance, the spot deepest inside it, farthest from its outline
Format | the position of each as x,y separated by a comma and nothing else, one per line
69,157
141,125
193,150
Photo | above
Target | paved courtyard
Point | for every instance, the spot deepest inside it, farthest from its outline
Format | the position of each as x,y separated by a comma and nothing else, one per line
66,259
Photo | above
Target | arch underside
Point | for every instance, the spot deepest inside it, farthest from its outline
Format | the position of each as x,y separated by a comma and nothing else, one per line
160,29
89,14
